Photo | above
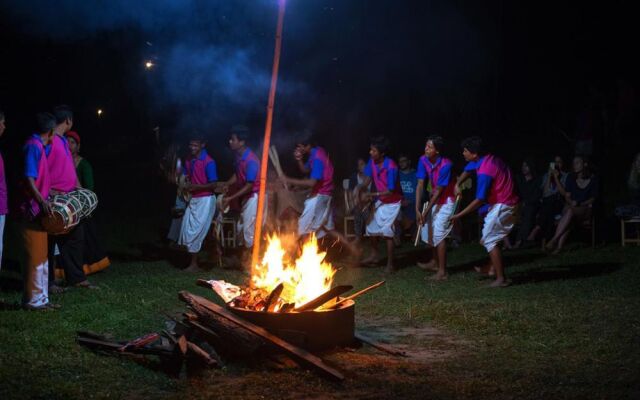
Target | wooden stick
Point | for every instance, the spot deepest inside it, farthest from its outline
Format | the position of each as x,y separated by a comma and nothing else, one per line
356,294
379,346
257,234
323,298
415,242
203,355
298,354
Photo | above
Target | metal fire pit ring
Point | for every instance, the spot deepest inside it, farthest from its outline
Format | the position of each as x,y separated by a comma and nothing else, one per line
311,330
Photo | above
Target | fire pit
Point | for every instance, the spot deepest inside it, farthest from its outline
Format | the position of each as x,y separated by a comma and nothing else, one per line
311,330
294,299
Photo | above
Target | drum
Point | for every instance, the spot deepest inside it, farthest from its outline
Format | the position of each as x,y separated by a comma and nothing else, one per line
68,209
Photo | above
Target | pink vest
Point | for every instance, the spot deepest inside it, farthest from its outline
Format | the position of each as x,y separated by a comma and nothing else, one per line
380,181
196,170
502,188
324,185
62,170
43,181
434,175
241,170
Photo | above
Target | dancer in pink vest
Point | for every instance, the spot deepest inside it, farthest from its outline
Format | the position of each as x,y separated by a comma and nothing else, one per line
387,197
201,171
62,171
317,216
33,205
435,222
495,188
247,178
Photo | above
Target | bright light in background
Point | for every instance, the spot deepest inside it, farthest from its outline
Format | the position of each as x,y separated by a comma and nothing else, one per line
99,112
149,64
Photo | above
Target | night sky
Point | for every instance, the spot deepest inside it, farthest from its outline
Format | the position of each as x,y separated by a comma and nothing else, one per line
518,74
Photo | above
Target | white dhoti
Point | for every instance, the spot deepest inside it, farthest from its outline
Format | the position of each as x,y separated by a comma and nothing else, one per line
497,224
382,223
196,222
317,216
247,223
437,226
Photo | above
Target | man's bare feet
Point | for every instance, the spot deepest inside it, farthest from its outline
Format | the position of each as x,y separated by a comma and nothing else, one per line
371,259
485,270
390,269
439,277
429,266
499,283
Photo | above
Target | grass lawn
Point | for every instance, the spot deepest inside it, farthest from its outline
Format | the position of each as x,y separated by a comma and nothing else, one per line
568,328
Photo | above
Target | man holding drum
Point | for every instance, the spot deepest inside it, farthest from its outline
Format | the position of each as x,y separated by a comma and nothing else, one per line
62,173
200,168
33,206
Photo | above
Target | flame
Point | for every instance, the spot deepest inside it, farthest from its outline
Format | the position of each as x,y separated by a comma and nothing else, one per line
303,280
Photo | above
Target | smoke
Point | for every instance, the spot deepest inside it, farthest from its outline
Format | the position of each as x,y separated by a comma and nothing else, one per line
211,59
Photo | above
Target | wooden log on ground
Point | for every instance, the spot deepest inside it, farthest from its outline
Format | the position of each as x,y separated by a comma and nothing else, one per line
323,298
356,294
115,347
298,354
380,346
201,354
223,335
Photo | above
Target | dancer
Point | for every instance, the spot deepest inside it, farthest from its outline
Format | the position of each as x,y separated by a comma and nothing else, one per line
434,221
200,168
317,216
495,187
383,171
247,178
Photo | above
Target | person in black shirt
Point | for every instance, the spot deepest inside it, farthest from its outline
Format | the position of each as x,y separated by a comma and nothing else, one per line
579,192
528,186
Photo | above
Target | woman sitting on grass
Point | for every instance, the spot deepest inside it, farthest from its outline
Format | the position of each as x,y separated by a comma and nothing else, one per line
579,192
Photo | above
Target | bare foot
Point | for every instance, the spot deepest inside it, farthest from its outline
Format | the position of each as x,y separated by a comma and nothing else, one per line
390,269
550,245
439,277
557,251
371,259
429,266
485,270
499,283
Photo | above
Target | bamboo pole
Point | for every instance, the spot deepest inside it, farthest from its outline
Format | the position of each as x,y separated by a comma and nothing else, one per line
257,235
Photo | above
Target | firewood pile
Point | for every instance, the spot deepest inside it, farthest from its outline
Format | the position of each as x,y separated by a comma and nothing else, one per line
208,335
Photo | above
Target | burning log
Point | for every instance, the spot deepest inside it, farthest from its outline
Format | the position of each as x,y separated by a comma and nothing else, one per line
356,294
298,354
323,298
272,300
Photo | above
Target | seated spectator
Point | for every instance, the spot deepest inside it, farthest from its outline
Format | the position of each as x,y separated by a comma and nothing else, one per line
579,192
552,203
633,185
530,192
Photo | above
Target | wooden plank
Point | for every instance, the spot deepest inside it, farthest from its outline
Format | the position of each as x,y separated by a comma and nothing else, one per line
298,354
380,346
323,298
356,294
203,355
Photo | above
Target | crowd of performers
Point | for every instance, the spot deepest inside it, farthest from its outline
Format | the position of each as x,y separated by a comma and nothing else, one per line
377,191
52,167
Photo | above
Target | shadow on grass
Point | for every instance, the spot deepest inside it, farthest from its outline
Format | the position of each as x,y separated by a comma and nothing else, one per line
561,272
510,258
